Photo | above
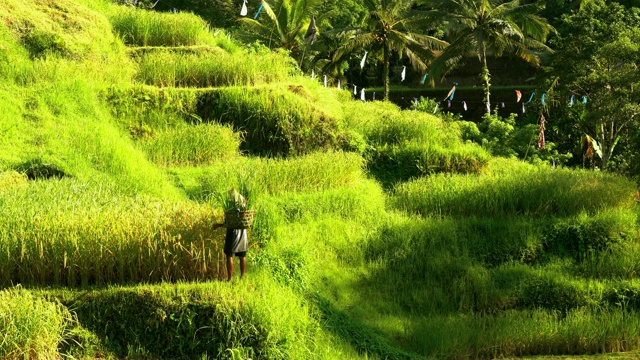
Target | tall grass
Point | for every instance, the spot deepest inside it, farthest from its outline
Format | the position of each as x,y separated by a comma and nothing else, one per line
77,233
191,145
534,332
31,327
314,172
255,318
212,68
150,28
515,189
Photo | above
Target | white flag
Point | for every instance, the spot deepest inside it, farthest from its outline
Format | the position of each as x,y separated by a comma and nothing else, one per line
364,58
243,12
313,74
338,84
464,105
325,81
404,71
355,90
362,94
435,109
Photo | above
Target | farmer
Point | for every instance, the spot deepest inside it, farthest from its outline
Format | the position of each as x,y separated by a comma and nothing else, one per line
236,239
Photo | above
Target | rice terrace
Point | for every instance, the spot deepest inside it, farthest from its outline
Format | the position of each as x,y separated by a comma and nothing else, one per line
409,179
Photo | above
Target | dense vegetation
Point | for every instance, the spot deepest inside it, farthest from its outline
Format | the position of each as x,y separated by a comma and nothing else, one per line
380,233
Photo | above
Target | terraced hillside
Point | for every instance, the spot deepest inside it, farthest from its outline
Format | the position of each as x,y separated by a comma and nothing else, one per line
379,232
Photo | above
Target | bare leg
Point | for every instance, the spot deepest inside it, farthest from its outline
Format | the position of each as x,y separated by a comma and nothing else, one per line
243,266
229,268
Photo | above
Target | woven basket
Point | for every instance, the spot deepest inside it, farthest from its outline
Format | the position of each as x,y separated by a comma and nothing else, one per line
239,219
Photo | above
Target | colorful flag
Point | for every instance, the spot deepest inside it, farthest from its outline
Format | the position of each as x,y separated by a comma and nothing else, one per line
502,104
523,108
518,96
313,74
448,103
584,99
452,92
435,109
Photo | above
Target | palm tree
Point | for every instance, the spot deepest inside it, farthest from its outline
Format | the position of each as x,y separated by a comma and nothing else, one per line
388,28
488,27
284,25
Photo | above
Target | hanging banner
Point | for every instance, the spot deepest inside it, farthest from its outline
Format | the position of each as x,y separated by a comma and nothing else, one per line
452,92
523,108
571,100
243,12
464,105
531,98
313,74
364,58
543,97
448,103
404,72
518,96
310,36
541,142
584,99
258,12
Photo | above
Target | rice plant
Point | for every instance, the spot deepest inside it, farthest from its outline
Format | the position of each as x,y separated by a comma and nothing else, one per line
31,327
212,67
150,28
515,189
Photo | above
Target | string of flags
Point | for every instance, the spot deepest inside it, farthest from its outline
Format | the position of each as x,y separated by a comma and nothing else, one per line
452,92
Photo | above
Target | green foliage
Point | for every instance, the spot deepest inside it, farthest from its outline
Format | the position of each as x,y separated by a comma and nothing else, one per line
31,327
504,137
608,78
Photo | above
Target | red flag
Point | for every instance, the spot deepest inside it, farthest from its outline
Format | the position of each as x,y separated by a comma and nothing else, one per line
518,95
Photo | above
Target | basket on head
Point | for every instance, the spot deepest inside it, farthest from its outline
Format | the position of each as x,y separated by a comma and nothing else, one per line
238,219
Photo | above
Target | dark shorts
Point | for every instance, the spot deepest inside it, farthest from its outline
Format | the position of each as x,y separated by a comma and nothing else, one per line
235,242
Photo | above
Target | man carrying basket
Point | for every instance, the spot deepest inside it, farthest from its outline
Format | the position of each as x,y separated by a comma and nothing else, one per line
236,242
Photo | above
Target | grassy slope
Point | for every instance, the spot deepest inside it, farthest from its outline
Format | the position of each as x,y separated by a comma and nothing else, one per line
445,266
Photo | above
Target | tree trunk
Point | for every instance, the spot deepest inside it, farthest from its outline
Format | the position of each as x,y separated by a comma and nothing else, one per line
485,79
387,59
